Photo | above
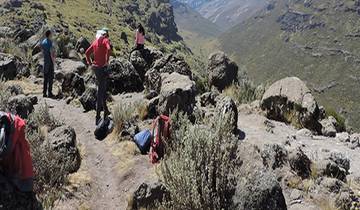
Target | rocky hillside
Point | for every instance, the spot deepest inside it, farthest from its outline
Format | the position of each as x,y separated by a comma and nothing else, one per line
314,40
74,19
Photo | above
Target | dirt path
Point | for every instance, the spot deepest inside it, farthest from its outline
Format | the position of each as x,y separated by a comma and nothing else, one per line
114,168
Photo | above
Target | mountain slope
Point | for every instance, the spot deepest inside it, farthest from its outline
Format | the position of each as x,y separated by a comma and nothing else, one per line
195,29
317,41
84,17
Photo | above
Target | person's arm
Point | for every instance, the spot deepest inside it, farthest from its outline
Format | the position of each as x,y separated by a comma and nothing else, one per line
88,53
108,50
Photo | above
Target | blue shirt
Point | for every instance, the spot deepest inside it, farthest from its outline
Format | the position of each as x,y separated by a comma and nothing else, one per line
46,46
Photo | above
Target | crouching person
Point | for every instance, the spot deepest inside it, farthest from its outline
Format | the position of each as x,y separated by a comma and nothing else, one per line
15,157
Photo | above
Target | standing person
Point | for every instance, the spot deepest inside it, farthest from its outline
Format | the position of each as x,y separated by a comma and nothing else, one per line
49,61
100,49
139,38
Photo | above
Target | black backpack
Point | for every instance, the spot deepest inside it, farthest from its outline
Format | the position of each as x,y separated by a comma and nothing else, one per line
104,128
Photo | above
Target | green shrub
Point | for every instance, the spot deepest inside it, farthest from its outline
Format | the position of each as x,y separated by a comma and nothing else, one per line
51,176
244,93
340,119
198,171
121,114
4,96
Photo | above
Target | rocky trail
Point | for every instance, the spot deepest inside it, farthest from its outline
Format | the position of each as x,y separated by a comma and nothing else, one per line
112,175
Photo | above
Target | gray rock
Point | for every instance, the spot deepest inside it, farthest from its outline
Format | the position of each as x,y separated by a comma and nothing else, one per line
73,84
304,133
82,45
343,201
147,196
332,185
263,192
14,89
274,156
227,110
208,98
177,92
63,141
300,163
354,141
68,66
21,105
343,137
329,126
289,100
5,32
123,77
167,64
222,72
11,67
335,166
88,99
296,195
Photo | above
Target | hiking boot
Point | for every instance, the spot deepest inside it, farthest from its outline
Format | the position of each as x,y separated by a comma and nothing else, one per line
44,95
51,95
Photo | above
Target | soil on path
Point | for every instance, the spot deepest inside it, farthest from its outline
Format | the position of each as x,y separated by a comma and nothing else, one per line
109,171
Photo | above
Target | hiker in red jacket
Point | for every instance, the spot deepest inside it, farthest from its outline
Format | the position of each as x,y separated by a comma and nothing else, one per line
100,49
15,158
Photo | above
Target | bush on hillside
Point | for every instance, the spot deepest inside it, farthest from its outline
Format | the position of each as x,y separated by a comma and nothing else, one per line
199,170
50,175
244,93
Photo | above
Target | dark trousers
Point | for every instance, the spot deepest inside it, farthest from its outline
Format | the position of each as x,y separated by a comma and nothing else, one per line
48,78
137,47
102,77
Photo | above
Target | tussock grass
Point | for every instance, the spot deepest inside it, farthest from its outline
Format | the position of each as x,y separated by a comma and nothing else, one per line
121,114
244,93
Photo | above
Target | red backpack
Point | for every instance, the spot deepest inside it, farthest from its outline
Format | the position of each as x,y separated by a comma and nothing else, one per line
160,133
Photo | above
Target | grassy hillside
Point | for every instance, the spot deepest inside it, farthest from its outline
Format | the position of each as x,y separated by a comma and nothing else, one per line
84,17
317,41
194,28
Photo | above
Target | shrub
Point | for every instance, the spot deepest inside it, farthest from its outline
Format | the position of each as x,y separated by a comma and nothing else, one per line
4,96
121,114
198,171
244,93
340,119
50,176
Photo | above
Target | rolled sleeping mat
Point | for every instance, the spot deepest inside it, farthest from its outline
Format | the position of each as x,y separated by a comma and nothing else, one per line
5,134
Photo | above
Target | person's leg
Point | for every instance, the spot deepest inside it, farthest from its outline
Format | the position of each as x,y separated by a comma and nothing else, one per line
50,80
105,86
45,86
99,73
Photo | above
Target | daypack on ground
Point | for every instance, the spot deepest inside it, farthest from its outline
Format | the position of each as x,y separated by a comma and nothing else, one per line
160,134
143,141
15,157
104,128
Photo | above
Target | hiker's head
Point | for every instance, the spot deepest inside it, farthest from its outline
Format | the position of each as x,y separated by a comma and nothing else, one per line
141,29
48,34
105,32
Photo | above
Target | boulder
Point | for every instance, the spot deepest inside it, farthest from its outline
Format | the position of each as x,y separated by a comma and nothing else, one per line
73,84
343,201
142,60
208,99
343,137
274,156
332,185
68,66
300,163
73,54
177,92
227,110
63,141
222,72
88,99
21,105
147,196
289,100
329,126
335,166
82,45
166,64
355,141
304,133
10,67
262,191
123,77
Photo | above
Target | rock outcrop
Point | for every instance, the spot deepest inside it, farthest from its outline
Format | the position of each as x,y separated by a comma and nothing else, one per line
290,100
177,92
11,67
63,141
222,72
227,110
21,105
88,99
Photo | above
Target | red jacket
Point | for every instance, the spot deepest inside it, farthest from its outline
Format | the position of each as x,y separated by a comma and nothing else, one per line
17,164
101,49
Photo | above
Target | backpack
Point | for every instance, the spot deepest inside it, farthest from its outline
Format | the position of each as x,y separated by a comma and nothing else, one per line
104,128
160,134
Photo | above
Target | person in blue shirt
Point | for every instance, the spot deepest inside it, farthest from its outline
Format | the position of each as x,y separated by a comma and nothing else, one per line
49,61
